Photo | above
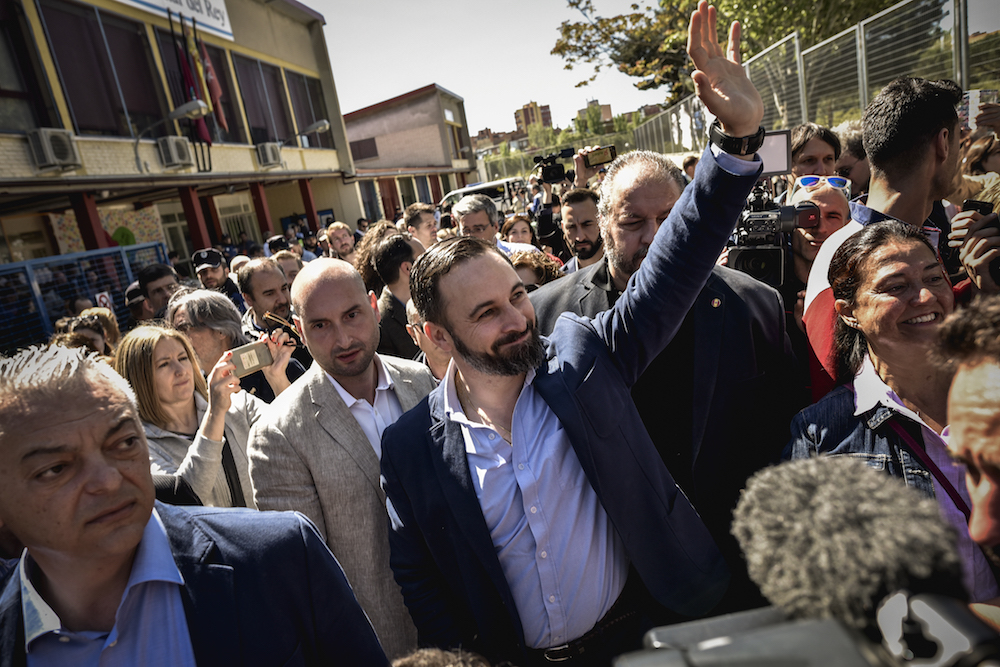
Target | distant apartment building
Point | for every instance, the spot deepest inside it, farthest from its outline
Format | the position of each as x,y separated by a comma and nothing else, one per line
607,119
532,114
411,148
90,153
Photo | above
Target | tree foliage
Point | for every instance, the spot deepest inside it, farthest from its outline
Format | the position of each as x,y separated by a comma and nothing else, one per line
649,43
540,136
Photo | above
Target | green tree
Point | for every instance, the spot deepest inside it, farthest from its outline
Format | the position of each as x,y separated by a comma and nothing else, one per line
595,121
649,43
504,149
622,124
540,136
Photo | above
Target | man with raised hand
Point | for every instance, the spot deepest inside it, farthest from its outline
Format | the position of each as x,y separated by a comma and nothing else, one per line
532,519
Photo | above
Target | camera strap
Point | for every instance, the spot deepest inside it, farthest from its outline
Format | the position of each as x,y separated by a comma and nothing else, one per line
232,474
921,454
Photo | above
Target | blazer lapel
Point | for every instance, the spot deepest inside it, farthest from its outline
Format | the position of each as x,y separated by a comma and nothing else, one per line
208,595
334,417
403,385
452,469
710,315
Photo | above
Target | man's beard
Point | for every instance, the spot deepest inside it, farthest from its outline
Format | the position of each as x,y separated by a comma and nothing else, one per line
521,359
588,251
624,265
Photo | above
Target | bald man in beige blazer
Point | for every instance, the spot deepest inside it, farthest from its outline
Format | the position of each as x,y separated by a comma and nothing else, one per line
317,448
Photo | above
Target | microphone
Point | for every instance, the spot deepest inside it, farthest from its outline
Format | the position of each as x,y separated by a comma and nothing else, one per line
829,537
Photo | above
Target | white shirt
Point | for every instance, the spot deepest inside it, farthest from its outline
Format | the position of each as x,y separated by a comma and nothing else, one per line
373,419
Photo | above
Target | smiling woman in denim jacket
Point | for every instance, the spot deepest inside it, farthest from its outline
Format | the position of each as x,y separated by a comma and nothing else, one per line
891,408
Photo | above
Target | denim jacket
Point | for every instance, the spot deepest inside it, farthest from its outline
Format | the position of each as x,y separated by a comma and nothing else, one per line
831,428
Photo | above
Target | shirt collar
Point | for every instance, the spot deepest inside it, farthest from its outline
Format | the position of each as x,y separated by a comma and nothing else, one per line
382,383
870,391
860,212
153,562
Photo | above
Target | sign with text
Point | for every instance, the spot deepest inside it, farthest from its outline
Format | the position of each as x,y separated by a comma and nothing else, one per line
211,15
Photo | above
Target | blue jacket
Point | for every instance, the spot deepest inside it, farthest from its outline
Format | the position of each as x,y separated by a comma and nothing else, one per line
261,588
830,427
441,551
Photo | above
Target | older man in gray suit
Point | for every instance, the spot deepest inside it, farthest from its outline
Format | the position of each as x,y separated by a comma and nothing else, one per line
317,450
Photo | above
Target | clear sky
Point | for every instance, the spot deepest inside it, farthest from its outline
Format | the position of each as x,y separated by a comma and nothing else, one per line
495,55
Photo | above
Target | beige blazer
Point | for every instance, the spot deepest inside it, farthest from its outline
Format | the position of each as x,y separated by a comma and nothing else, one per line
308,453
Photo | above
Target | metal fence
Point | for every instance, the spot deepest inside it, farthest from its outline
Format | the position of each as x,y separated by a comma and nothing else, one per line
834,80
34,294
520,163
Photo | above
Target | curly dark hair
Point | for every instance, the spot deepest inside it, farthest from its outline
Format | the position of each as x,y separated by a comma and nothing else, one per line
972,334
544,266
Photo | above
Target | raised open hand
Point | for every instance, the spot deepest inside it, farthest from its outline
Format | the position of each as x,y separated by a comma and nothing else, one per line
720,81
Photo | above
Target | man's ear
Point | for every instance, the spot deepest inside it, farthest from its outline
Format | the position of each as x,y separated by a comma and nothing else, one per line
373,300
942,143
845,312
298,327
405,268
439,336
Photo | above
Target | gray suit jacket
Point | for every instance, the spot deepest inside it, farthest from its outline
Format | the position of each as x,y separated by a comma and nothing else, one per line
309,454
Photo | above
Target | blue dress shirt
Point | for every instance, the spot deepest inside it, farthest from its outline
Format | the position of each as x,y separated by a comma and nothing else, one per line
563,560
150,626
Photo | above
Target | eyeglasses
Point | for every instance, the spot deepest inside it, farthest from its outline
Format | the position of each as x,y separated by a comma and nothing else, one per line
810,182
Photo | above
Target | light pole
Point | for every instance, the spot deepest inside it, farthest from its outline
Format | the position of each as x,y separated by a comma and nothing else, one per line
319,126
193,109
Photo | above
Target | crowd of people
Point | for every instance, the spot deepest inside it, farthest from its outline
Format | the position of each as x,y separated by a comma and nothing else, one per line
520,439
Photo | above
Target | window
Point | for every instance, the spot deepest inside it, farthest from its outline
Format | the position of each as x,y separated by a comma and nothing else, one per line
106,69
406,191
423,190
369,197
220,65
263,99
22,104
364,149
309,107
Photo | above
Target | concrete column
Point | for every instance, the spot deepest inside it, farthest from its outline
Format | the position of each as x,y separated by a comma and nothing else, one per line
260,208
89,222
312,218
208,205
194,217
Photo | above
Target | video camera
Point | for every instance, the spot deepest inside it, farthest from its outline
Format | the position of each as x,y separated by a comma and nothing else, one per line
761,247
553,172
914,630
761,243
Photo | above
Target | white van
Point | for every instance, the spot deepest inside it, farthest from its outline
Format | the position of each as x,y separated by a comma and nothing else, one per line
501,192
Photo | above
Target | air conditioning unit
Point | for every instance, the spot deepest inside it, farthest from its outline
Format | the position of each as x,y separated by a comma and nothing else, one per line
175,152
269,154
53,148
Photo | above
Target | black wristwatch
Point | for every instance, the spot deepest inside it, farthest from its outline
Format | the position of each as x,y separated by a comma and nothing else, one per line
735,145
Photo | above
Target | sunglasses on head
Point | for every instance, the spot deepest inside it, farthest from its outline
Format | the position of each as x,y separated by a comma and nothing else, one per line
811,181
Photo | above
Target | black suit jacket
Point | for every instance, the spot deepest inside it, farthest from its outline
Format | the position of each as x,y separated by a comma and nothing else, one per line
393,337
717,401
260,588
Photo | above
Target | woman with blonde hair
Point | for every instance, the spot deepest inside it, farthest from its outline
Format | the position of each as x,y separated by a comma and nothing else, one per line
112,334
196,430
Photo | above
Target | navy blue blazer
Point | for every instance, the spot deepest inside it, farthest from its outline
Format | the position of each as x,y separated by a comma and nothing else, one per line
261,588
441,551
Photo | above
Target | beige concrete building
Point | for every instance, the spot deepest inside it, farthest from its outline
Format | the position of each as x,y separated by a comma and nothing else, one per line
414,147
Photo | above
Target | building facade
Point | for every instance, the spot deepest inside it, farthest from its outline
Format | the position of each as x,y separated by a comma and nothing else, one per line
90,156
532,114
411,148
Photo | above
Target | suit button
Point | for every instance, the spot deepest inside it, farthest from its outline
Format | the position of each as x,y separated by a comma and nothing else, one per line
534,510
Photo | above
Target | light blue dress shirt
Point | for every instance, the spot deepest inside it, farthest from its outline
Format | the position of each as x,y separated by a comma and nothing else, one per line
150,626
563,560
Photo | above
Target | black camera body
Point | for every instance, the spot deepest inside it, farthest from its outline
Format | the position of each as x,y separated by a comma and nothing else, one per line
552,171
762,246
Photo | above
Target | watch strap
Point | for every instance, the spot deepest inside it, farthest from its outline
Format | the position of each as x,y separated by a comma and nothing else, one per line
735,145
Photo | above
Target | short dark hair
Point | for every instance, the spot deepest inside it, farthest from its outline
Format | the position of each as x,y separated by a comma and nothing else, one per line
577,195
434,264
152,273
509,223
904,118
806,132
244,277
689,161
846,275
413,211
389,256
971,335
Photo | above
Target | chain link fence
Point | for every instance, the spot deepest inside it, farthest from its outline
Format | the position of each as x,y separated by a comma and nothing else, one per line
520,163
833,81
34,294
